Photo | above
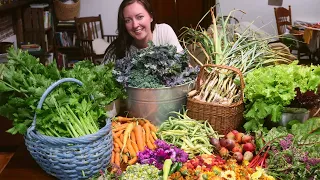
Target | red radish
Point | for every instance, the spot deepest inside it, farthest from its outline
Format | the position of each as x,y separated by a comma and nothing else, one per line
248,156
230,135
238,156
238,137
229,144
235,132
248,147
237,148
223,152
246,138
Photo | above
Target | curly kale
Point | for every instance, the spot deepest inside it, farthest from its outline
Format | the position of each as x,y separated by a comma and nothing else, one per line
154,67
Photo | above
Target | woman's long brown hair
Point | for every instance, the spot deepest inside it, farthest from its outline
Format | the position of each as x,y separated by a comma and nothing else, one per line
124,40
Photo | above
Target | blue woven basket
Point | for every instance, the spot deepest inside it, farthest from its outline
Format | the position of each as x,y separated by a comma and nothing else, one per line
70,158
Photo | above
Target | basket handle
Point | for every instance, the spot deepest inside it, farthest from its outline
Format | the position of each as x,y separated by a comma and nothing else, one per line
47,92
236,70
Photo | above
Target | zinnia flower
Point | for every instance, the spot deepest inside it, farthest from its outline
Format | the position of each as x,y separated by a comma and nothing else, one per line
229,175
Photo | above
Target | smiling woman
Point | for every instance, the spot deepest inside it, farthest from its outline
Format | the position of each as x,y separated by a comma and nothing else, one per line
136,27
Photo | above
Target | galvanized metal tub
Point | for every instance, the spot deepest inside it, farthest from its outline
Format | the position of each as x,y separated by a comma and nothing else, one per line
156,104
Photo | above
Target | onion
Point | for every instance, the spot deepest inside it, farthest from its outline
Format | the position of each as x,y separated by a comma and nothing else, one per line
248,156
248,147
238,156
229,144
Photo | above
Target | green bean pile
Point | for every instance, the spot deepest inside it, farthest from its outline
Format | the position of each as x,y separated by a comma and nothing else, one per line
188,134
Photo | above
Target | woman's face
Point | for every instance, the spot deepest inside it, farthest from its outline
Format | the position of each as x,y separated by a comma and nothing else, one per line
138,22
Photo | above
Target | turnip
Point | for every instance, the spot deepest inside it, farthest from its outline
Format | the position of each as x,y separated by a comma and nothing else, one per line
248,156
215,142
238,156
248,147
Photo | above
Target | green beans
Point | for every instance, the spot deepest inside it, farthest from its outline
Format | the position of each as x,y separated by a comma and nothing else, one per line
188,134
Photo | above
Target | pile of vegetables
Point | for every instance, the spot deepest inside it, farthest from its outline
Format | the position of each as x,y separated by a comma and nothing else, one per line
70,110
219,87
190,135
244,51
268,90
235,144
154,67
131,136
292,152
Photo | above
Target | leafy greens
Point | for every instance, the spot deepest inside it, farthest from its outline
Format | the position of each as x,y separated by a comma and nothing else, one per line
268,90
154,67
24,79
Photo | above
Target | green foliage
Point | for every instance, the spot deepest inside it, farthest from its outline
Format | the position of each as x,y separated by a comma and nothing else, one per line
268,90
154,67
24,79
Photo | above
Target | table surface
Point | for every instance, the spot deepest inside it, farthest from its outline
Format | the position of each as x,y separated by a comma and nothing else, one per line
23,166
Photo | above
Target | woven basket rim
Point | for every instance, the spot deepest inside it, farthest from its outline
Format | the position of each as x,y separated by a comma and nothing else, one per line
33,134
215,104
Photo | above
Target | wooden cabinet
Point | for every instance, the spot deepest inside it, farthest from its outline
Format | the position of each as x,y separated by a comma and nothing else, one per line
180,13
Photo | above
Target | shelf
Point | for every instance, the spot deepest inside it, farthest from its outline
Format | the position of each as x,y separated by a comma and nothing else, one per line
15,4
68,47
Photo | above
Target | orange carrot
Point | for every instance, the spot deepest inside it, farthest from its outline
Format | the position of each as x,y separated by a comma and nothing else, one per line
117,134
117,158
144,138
120,127
116,149
112,157
150,145
132,136
123,119
141,122
125,158
133,160
147,130
154,135
152,127
121,137
127,133
135,146
151,138
139,137
118,141
130,148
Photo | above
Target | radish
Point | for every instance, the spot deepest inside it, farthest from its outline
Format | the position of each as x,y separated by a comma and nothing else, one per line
246,138
248,156
235,132
248,147
238,137
230,135
224,152
238,156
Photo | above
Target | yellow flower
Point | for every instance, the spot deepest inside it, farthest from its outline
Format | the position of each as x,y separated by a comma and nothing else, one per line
216,170
256,175
229,175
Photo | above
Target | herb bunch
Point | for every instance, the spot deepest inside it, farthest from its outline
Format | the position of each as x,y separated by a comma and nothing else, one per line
154,67
24,79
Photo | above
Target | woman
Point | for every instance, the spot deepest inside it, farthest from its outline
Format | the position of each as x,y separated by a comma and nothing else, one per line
136,28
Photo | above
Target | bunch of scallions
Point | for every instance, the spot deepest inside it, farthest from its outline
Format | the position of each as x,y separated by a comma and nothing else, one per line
244,51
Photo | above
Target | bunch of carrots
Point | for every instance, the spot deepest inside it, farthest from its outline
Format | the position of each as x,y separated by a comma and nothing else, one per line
131,135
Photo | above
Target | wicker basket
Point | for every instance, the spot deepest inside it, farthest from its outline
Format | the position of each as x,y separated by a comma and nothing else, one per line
65,12
70,158
223,118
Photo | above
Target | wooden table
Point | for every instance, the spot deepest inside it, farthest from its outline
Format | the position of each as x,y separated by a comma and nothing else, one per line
23,166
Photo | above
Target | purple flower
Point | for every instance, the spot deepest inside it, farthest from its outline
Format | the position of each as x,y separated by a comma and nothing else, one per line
181,156
286,142
313,161
162,144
